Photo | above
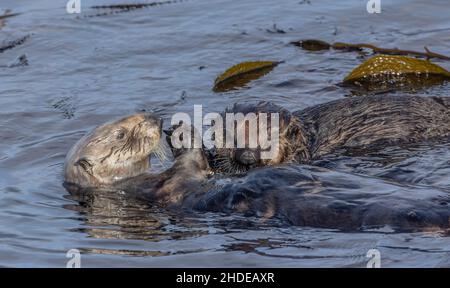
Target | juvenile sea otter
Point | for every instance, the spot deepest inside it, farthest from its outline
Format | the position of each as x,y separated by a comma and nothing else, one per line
115,156
113,151
357,122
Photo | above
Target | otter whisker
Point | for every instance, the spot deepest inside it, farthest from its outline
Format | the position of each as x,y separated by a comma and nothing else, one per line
227,165
161,152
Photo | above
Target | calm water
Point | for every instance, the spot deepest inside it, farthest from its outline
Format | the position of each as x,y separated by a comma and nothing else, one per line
84,71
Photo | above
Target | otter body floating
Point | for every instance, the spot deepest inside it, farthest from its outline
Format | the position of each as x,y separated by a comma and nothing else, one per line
356,122
299,194
316,197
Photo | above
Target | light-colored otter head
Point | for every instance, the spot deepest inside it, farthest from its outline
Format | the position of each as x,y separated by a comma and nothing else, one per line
113,151
292,143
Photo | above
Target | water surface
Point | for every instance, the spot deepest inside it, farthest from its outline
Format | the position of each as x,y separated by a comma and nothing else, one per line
84,71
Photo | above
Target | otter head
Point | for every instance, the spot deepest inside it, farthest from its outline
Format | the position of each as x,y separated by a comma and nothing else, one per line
290,145
113,151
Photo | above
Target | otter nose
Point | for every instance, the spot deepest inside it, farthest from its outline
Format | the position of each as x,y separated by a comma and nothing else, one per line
154,120
247,157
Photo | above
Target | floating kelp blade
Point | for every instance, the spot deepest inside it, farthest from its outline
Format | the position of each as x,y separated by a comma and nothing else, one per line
14,43
239,75
131,6
319,45
386,72
312,45
7,14
113,9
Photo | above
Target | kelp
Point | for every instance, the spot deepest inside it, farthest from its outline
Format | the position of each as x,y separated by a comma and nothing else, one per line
385,72
241,74
319,45
131,6
14,43
5,15
8,14
112,9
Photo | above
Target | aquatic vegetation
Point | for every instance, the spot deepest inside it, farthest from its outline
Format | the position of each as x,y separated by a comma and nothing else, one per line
126,7
13,44
384,72
318,45
132,6
241,74
312,45
5,15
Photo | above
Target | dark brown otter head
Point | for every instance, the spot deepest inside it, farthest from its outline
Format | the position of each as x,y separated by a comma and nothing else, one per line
290,145
113,151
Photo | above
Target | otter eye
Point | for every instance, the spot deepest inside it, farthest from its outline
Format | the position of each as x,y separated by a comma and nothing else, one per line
120,135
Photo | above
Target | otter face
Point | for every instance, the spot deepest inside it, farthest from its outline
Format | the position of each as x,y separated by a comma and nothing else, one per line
290,146
114,151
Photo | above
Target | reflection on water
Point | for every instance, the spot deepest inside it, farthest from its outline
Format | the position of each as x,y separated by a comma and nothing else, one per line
127,218
83,71
420,164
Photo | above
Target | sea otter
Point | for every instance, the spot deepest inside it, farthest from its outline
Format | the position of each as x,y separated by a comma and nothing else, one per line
186,178
304,195
297,194
362,123
113,151
115,156
289,148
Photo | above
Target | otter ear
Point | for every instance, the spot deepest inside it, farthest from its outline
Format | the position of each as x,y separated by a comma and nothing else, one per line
86,164
297,134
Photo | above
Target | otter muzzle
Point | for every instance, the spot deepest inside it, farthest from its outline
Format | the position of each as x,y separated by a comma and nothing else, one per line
247,157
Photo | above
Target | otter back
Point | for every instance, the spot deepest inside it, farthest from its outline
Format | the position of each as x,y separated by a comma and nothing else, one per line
375,120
